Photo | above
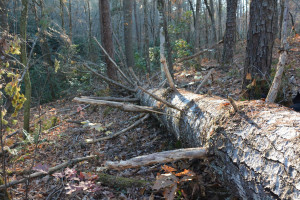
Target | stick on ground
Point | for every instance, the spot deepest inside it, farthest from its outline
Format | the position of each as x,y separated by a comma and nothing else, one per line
90,141
51,170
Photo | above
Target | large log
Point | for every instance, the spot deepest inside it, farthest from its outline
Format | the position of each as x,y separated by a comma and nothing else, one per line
256,150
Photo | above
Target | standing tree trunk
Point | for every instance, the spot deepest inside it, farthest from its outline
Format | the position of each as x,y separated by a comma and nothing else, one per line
146,33
62,8
282,58
3,16
261,35
211,12
163,20
220,19
281,17
127,11
229,37
197,26
107,37
137,26
23,57
70,21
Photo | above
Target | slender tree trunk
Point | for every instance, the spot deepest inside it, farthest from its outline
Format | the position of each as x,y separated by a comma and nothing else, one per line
3,16
91,54
162,9
229,37
107,37
62,8
127,11
162,40
23,57
138,38
197,26
282,58
261,35
146,33
206,29
220,19
281,17
211,12
70,21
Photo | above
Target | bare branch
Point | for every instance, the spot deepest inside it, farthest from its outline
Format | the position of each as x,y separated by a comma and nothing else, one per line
204,80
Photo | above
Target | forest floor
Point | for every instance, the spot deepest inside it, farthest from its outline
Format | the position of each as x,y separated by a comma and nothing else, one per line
63,127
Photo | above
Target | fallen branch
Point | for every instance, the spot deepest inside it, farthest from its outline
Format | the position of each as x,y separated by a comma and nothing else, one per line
51,171
113,99
121,182
90,141
109,80
121,106
204,80
160,99
161,157
135,76
115,64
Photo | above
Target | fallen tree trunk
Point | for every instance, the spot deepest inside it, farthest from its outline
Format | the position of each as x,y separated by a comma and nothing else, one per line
257,150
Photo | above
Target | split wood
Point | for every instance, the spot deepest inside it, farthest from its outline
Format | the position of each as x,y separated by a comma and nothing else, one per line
51,171
108,79
161,157
159,99
204,80
115,64
112,99
89,141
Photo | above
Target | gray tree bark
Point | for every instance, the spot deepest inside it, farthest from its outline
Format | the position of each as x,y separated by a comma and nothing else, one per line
256,151
3,16
146,34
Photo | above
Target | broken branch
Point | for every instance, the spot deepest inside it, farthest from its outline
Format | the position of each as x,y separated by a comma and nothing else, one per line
204,80
113,99
168,74
115,64
161,157
108,79
159,99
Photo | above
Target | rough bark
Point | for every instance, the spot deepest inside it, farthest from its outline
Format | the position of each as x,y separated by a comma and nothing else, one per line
70,21
229,37
256,151
62,10
261,35
107,40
